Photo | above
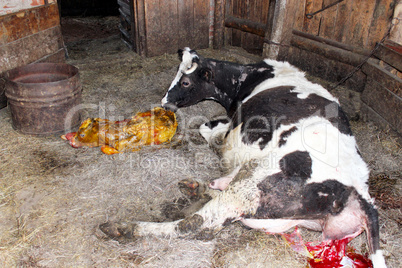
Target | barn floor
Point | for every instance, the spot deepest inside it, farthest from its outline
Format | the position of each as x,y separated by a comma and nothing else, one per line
53,197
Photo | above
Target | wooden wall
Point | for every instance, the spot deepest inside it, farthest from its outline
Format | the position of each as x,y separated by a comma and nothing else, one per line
336,41
27,36
165,26
359,23
252,10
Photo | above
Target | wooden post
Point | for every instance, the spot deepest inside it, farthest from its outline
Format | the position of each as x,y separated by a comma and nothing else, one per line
281,19
219,24
140,35
271,49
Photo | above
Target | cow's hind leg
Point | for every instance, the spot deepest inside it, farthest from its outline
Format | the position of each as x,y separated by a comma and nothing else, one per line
238,199
202,224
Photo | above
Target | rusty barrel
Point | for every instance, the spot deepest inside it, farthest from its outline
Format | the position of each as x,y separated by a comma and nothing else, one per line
43,97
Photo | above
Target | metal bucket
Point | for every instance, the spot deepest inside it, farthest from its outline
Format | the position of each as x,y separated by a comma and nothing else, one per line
42,97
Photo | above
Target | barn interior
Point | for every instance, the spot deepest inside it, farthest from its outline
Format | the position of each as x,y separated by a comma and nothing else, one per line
53,196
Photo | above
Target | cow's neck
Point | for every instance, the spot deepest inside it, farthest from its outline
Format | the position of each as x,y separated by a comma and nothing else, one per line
228,80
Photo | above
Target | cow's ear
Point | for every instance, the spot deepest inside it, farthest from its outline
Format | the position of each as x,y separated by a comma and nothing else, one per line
180,54
205,74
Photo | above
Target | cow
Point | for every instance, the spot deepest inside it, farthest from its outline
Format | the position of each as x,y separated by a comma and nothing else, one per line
289,147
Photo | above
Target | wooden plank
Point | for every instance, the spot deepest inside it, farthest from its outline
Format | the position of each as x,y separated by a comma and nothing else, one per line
312,25
299,15
27,22
385,78
383,10
186,22
31,48
153,26
219,24
390,56
139,19
236,35
228,32
384,102
360,17
328,69
328,20
48,16
201,24
342,27
167,38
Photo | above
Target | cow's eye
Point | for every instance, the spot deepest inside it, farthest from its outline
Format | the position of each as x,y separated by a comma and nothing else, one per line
185,84
82,135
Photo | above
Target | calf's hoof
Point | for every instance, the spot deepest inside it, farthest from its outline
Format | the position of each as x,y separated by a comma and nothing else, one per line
118,231
191,188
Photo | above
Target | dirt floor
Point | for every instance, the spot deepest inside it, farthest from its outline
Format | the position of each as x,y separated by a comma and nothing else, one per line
53,197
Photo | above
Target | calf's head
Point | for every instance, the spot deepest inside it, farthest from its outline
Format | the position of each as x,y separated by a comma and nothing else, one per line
192,83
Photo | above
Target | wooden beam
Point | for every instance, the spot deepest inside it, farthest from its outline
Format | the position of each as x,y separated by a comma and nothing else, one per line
332,43
245,25
328,51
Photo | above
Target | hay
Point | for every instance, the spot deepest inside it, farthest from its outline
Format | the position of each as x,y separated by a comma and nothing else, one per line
53,197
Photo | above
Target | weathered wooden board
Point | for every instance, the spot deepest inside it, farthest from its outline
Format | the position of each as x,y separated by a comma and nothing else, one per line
384,102
165,26
389,53
27,22
253,13
28,36
327,68
358,23
201,20
385,78
127,25
31,48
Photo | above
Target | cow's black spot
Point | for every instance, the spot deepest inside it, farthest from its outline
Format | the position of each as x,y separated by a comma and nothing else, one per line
265,112
327,197
213,124
289,197
296,164
284,135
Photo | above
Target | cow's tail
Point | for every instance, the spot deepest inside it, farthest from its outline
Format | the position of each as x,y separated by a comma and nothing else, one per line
373,234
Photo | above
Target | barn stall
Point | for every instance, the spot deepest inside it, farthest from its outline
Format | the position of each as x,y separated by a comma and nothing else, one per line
53,196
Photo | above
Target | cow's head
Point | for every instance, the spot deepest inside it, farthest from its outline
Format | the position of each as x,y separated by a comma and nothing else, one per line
192,83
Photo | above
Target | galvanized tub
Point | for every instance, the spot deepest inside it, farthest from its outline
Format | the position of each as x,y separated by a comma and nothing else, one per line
43,97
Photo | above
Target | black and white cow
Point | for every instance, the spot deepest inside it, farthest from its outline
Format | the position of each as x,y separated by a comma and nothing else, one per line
288,143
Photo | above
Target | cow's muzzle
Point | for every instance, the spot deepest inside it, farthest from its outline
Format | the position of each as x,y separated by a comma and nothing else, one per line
170,106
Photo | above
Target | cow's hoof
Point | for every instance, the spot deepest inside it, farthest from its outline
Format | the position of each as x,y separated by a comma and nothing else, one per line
190,224
192,189
118,231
